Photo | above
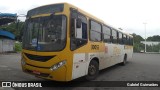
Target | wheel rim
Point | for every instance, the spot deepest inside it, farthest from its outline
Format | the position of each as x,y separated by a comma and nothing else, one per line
92,70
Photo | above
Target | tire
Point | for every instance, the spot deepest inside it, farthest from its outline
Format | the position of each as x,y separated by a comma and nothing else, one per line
93,70
124,60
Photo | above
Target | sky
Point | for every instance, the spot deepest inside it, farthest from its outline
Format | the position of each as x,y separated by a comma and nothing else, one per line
130,15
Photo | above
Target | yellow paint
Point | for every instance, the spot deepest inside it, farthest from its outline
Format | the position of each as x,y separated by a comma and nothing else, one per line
128,47
62,74
65,72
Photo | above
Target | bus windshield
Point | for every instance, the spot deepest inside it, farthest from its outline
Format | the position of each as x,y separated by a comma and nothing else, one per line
45,33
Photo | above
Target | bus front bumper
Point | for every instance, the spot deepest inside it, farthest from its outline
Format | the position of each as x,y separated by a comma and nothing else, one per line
46,73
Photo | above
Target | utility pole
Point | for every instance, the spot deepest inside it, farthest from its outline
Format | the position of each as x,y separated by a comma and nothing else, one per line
145,36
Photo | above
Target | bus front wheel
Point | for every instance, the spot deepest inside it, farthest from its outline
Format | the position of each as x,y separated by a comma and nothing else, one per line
93,70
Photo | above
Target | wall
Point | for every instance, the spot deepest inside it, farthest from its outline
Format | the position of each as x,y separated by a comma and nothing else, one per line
6,45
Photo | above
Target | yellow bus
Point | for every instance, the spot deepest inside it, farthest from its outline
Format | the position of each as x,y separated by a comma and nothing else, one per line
62,42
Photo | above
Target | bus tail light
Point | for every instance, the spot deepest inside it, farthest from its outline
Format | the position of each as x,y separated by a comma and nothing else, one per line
58,65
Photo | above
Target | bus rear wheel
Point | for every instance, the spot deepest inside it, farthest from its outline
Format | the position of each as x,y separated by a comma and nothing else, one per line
124,60
93,70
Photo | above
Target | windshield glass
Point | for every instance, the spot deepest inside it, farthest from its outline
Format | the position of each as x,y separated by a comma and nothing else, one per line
45,33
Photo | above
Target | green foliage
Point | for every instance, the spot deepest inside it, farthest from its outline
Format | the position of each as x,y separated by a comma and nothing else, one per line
18,47
153,48
138,46
137,38
154,38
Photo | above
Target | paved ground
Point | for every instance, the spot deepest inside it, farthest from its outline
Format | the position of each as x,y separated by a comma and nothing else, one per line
143,67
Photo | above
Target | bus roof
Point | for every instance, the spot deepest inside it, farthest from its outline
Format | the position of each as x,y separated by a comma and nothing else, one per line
95,18
86,14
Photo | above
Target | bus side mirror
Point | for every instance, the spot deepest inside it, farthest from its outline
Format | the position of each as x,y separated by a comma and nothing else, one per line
79,22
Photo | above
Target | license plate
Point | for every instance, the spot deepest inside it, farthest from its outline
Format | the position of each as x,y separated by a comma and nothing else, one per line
36,72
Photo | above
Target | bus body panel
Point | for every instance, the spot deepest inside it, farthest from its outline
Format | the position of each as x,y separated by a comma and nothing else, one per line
77,61
61,74
79,65
129,51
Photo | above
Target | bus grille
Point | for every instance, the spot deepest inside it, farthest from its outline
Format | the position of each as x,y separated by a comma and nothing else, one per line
39,58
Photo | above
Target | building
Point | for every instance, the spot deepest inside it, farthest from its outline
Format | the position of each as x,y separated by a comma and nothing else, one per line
7,18
150,43
6,38
6,41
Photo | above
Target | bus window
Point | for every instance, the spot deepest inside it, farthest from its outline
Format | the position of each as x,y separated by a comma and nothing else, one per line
120,38
95,31
117,37
131,41
114,36
127,40
78,34
106,34
124,39
45,33
81,32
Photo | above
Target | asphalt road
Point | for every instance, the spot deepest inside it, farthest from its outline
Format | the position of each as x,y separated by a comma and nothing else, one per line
143,67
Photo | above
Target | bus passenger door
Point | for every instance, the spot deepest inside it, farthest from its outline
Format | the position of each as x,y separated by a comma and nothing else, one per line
78,39
79,65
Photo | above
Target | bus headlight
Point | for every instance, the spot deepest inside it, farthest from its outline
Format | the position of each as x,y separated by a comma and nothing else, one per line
58,65
23,61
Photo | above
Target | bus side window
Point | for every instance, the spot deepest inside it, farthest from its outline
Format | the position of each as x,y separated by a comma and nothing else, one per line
106,34
127,40
81,32
78,31
111,37
114,36
120,38
95,31
131,41
124,39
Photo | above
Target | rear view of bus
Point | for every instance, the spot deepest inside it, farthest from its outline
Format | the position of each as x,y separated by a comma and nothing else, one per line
62,43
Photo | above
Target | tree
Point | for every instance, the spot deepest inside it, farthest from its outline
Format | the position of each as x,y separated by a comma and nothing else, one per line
154,38
15,28
137,38
138,46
